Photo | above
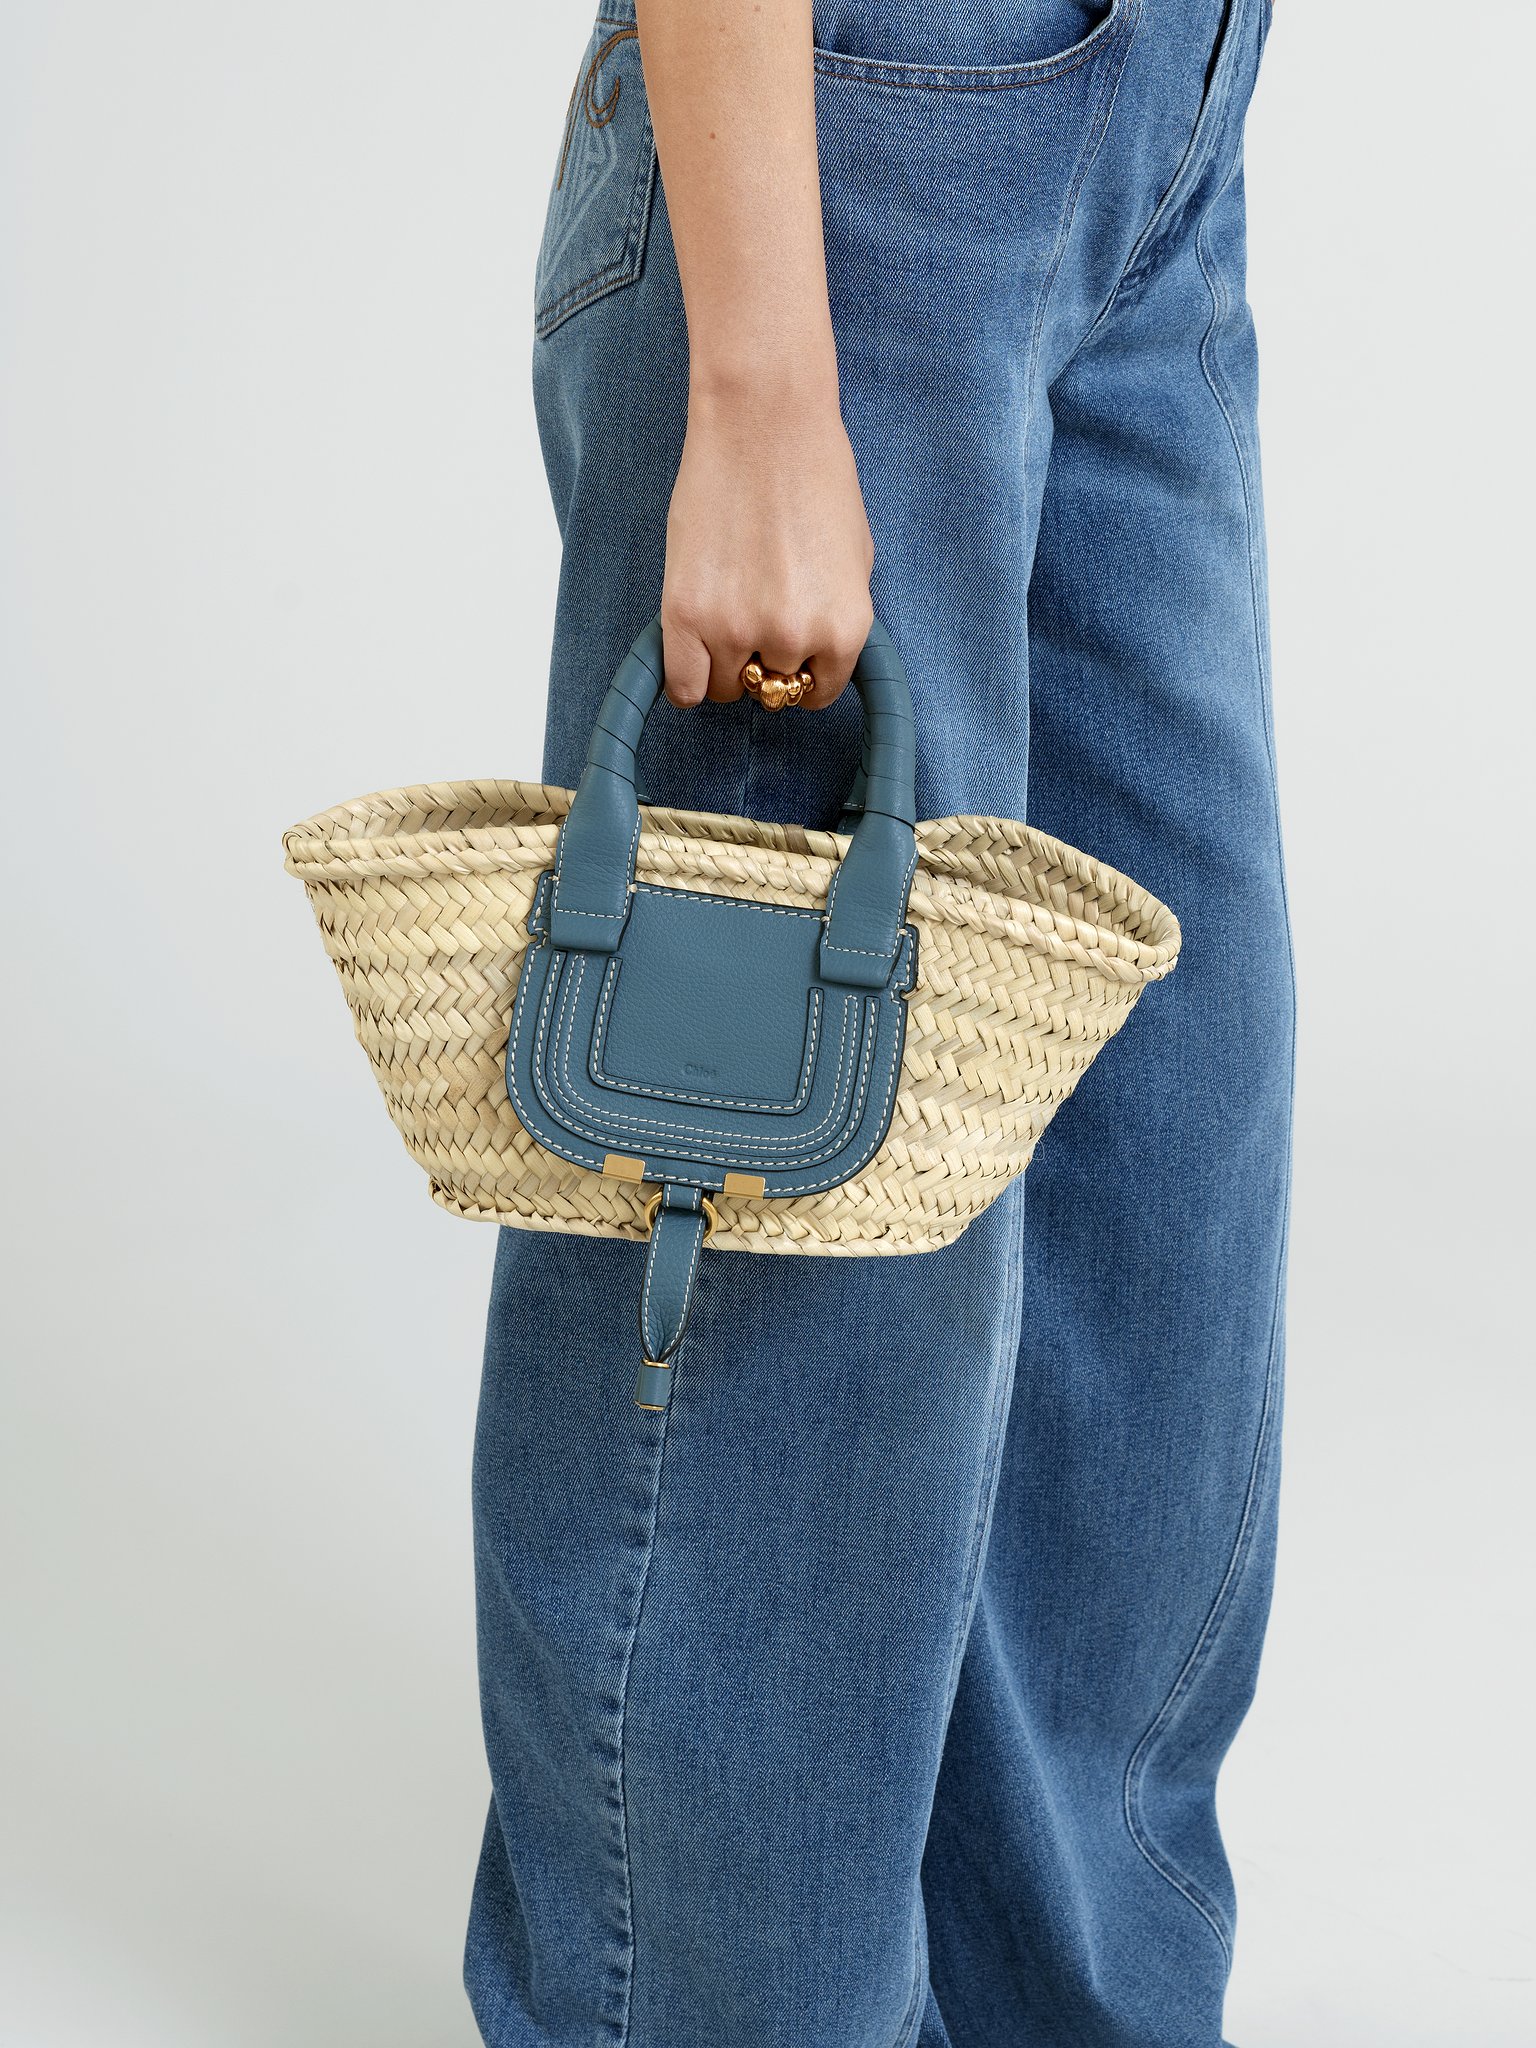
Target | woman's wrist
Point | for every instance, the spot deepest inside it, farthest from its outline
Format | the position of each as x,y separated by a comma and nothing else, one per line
744,376
768,546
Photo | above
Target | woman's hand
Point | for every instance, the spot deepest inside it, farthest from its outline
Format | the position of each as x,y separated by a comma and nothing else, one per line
768,547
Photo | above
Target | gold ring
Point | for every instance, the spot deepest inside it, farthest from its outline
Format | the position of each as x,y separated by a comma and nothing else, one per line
773,688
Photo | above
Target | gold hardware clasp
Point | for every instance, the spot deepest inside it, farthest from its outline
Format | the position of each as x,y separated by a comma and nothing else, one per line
711,1214
621,1166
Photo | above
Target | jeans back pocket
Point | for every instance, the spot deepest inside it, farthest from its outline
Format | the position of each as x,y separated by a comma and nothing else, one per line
600,202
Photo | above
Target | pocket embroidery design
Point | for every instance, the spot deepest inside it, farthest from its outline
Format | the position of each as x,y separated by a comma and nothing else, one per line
584,95
599,202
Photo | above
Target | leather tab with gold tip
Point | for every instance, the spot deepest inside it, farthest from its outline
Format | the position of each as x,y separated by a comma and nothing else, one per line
653,1383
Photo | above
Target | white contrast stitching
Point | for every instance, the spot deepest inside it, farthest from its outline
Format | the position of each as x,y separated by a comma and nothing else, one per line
798,1101
740,1144
817,1187
585,1159
868,952
612,916
650,1264
568,1001
745,1148
729,902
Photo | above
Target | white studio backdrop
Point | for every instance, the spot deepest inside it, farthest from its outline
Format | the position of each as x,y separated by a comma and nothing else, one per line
273,531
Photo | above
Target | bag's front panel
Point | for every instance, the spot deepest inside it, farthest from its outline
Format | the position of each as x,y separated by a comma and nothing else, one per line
706,1045
746,1040
841,1043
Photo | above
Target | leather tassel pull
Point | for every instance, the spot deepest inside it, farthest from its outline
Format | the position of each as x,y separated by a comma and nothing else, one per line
681,1220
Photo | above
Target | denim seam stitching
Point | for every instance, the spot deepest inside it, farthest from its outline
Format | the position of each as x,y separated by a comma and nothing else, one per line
897,76
622,1775
1093,139
912,2018
1242,1547
1206,1641
612,278
586,81
1215,377
971,1580
985,1498
1203,144
1193,160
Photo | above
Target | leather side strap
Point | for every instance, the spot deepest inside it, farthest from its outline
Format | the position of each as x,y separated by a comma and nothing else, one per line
666,1291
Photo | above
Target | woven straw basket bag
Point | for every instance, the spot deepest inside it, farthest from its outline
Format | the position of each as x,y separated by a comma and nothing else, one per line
988,971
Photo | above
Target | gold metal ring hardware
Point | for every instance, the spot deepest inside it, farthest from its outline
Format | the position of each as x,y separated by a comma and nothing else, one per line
711,1214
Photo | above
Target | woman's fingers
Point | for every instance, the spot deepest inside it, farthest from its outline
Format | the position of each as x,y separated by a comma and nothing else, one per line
705,658
837,653
685,658
729,655
768,549
700,657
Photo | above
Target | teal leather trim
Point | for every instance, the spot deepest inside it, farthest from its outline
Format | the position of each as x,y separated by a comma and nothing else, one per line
653,1385
703,1035
595,861
666,1291
867,902
733,1137
605,1076
778,1073
750,1043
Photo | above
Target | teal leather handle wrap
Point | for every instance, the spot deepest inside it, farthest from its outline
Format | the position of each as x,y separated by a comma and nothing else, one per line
866,906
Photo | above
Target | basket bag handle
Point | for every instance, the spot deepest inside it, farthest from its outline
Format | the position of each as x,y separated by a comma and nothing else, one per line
595,864
858,947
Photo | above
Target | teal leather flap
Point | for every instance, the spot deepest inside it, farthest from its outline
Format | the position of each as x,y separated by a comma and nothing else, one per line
708,1042
751,1046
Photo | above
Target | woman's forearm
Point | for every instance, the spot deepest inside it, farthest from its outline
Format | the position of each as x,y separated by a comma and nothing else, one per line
732,97
768,547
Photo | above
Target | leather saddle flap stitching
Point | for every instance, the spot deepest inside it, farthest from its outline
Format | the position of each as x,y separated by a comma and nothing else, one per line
707,1042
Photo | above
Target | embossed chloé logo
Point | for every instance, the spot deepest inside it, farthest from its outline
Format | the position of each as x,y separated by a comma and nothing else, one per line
696,1072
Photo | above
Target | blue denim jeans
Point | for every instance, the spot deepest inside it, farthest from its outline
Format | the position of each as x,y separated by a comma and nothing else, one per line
875,1693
